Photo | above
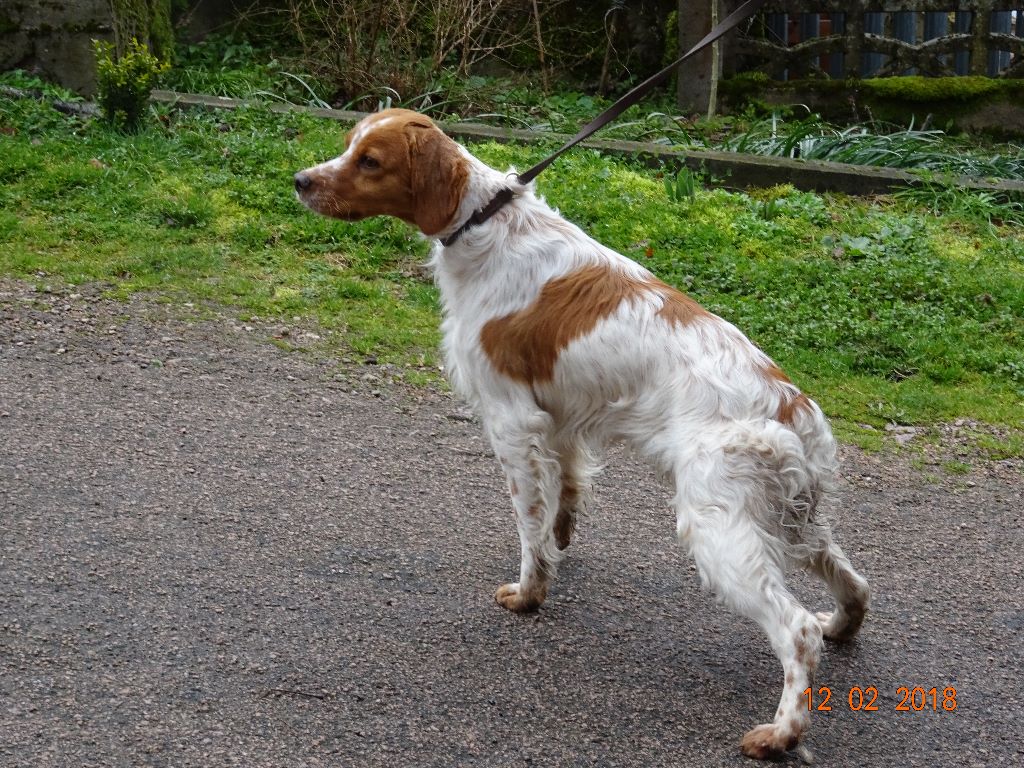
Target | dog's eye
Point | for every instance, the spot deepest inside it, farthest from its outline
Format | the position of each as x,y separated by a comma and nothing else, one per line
368,163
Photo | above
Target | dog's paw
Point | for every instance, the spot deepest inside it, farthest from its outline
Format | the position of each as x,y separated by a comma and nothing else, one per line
825,622
513,598
769,740
836,627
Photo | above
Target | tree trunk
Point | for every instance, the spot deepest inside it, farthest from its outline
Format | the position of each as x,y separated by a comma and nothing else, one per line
148,21
695,81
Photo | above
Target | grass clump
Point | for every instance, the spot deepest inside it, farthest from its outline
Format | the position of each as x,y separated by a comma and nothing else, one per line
229,65
922,150
881,309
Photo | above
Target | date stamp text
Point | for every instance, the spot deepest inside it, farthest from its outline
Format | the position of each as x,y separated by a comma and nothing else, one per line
858,699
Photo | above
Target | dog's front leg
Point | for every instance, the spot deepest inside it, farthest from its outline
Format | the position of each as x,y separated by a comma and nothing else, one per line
524,449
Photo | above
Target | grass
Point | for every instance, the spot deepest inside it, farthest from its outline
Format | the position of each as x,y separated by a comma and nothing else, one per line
876,145
881,309
228,65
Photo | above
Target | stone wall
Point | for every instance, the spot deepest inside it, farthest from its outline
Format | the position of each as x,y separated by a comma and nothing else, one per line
54,38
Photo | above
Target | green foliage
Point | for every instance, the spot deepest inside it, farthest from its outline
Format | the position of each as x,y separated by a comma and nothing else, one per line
230,65
942,196
683,186
124,82
881,309
814,139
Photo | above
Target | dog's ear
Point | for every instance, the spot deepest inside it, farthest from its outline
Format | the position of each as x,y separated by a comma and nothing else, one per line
438,175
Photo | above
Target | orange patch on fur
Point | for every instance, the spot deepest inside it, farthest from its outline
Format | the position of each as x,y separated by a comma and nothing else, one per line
569,494
678,309
790,403
525,345
564,527
800,652
565,520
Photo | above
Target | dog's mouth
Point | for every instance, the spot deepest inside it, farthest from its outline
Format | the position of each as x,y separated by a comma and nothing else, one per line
327,205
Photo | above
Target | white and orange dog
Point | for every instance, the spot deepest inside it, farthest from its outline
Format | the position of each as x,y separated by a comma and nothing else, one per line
563,345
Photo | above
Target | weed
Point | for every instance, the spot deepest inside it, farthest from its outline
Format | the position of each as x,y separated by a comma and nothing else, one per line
229,65
956,467
813,139
683,186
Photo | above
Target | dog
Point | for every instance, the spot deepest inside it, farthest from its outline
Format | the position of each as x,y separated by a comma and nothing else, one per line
562,346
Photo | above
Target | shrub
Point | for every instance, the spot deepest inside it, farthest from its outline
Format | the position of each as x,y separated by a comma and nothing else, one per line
125,82
369,48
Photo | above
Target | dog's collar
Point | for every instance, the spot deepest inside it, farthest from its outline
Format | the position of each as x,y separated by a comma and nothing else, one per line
480,215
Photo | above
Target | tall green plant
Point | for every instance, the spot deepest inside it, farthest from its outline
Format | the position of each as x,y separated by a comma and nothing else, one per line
124,82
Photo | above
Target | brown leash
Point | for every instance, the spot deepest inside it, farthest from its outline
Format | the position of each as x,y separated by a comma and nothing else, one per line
629,99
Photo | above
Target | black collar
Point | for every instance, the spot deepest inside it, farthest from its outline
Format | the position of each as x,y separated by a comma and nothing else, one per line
480,215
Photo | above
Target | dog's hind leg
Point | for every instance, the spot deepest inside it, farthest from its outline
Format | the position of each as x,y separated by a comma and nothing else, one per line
851,591
577,467
718,493
531,465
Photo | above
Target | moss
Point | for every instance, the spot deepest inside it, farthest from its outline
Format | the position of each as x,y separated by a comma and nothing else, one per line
930,89
671,38
745,84
974,103
149,21
745,91
956,101
95,28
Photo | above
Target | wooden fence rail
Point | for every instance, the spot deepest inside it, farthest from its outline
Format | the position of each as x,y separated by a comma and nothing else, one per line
878,38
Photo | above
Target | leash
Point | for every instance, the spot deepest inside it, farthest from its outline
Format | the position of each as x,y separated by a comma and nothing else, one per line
637,93
625,102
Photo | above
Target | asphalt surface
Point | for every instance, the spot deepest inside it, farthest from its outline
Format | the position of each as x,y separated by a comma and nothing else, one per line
215,552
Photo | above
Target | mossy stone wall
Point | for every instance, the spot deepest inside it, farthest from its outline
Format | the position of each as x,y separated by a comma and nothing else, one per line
54,37
993,106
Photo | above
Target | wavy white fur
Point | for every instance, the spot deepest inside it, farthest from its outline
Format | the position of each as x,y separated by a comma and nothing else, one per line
564,346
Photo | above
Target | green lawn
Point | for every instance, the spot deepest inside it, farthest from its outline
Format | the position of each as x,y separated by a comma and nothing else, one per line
881,310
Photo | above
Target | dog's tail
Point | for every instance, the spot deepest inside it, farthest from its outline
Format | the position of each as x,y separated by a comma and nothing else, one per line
793,466
771,479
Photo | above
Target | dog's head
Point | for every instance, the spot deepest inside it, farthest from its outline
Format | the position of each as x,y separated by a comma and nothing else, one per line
397,163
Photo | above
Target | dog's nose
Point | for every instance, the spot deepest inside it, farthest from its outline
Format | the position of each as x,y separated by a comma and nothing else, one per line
302,182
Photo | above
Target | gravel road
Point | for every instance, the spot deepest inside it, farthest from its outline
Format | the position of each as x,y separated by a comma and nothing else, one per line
216,552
